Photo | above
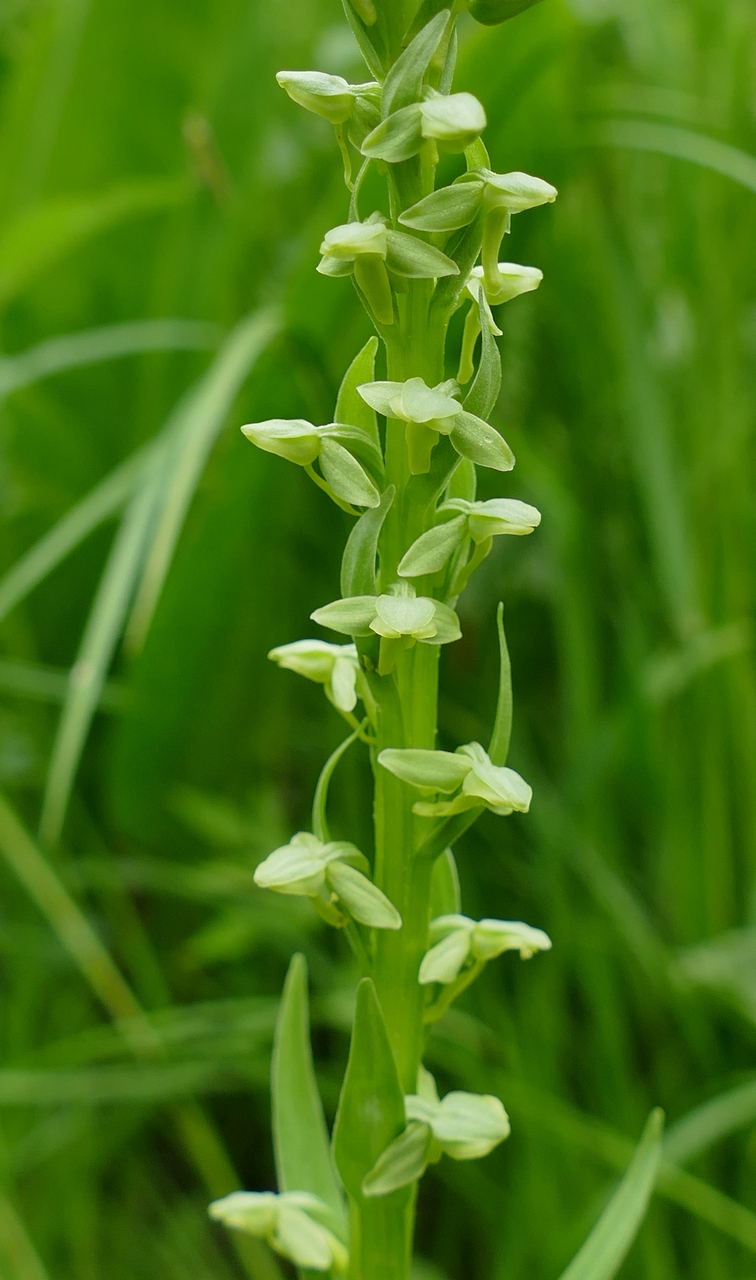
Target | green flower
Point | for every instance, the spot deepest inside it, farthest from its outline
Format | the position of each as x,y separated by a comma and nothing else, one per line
301,442
480,521
468,771
513,279
336,666
330,97
433,411
464,1126
293,1223
453,121
477,191
370,250
497,196
399,617
333,875
457,940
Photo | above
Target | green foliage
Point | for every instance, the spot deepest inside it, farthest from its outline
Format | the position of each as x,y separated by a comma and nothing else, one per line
302,1149
627,397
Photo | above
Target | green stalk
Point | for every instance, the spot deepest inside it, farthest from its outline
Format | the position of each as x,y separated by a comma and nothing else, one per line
410,288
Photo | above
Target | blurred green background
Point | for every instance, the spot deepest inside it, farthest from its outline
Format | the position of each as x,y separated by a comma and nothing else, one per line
161,205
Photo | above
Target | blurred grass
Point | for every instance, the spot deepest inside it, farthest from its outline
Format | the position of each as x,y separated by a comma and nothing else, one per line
151,174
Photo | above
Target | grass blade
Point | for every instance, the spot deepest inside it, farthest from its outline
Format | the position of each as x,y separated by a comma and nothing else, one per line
679,143
604,1250
75,350
101,635
200,421
148,1084
36,239
21,1258
72,927
710,1123
98,506
50,684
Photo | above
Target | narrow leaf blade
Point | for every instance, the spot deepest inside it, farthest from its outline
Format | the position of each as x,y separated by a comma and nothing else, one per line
405,79
350,406
371,1106
358,561
486,386
300,1137
605,1249
403,1162
502,731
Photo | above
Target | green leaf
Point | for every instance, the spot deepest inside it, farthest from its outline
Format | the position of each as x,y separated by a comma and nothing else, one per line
397,138
429,771
350,407
484,391
432,549
300,1138
448,209
415,259
371,1107
101,635
493,12
475,439
363,899
110,342
404,82
197,423
502,730
605,1249
358,562
346,476
404,1161
42,235
371,46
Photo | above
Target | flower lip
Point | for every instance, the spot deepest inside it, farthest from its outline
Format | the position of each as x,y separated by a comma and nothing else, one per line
514,280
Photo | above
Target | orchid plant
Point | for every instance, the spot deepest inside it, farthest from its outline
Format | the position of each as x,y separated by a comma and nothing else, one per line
401,457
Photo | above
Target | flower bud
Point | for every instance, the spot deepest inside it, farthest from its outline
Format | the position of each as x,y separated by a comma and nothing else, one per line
453,121
353,239
296,439
330,97
516,191
336,666
292,1223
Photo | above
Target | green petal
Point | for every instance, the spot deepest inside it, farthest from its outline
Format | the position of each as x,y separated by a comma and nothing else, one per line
429,771
363,899
444,961
352,617
469,1125
403,1162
